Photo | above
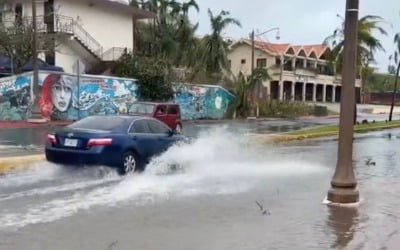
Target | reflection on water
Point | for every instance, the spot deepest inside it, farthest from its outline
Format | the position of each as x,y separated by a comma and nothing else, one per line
342,222
25,136
211,205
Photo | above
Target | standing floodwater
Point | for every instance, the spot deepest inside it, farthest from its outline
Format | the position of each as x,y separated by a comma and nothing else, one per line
203,196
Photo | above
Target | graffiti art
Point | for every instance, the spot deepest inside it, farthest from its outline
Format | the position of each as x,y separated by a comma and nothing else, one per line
66,97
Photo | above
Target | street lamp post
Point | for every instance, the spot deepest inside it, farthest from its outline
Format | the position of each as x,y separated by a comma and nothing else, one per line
343,185
35,116
252,37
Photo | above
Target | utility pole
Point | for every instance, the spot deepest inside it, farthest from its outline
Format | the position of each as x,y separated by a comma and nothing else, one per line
78,80
36,116
252,72
343,185
252,52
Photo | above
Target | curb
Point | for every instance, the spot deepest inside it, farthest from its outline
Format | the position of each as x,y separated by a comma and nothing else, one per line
9,164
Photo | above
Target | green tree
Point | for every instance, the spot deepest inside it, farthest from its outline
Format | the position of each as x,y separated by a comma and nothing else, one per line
246,86
397,62
214,48
367,46
153,75
16,41
171,34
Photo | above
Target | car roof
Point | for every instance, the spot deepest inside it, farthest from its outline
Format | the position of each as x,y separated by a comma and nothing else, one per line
126,117
158,103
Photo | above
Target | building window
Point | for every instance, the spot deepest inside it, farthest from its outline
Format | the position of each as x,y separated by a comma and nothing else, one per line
243,61
18,14
261,63
278,61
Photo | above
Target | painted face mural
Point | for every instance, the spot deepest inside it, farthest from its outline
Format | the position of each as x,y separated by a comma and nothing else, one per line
56,96
61,94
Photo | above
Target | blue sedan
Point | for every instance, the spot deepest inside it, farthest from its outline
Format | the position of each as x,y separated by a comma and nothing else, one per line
124,142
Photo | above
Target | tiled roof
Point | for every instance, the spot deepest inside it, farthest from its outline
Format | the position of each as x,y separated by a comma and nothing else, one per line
270,47
282,48
318,48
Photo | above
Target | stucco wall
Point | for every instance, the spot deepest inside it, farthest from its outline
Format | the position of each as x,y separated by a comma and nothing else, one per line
68,52
244,52
109,27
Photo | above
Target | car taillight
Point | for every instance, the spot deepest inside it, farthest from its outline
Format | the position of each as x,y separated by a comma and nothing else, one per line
52,139
99,142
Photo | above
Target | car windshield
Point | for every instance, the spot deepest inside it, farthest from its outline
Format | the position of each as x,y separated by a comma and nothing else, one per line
104,123
141,108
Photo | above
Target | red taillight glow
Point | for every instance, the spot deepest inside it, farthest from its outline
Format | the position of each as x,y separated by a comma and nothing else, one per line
52,139
99,142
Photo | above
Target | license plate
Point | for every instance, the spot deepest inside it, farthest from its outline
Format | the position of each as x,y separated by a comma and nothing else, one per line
71,142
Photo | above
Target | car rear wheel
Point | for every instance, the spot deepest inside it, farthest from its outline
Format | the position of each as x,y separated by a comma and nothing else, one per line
129,163
178,128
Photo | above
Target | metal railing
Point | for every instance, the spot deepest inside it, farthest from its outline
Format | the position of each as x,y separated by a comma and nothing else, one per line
82,35
114,54
67,25
24,22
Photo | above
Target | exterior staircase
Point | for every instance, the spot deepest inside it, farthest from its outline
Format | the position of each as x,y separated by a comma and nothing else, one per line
67,25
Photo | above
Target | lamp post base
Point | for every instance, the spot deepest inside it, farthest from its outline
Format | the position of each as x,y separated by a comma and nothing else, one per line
343,195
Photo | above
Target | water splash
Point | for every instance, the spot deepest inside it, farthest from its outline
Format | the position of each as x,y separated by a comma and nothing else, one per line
216,163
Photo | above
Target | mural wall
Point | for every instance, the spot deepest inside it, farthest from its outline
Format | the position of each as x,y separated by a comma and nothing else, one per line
202,101
63,97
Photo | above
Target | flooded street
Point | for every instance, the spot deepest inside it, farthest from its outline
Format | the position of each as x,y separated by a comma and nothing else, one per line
210,200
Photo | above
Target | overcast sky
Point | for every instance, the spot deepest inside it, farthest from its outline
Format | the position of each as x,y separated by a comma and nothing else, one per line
300,21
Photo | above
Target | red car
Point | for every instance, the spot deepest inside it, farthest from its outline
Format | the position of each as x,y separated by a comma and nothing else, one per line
169,113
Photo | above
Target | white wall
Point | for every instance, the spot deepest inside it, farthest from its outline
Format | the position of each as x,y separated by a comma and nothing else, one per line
111,28
27,8
68,52
244,52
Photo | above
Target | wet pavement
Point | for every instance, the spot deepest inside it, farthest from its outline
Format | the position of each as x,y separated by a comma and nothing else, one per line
36,136
210,202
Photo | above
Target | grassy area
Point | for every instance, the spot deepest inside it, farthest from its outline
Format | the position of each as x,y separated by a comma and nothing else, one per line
333,130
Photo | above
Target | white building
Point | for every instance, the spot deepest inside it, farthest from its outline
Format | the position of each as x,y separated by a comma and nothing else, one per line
298,72
95,32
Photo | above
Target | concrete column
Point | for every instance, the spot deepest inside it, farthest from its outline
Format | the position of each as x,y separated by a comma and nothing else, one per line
281,90
294,62
314,97
333,93
305,63
324,93
293,90
303,95
268,97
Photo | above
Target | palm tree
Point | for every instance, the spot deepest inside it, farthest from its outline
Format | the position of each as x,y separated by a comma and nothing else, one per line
214,48
397,62
367,46
171,35
248,85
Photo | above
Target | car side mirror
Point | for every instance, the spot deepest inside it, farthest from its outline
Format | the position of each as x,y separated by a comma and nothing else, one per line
171,132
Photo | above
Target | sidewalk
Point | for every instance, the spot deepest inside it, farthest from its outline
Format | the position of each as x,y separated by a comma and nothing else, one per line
25,124
22,143
13,158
